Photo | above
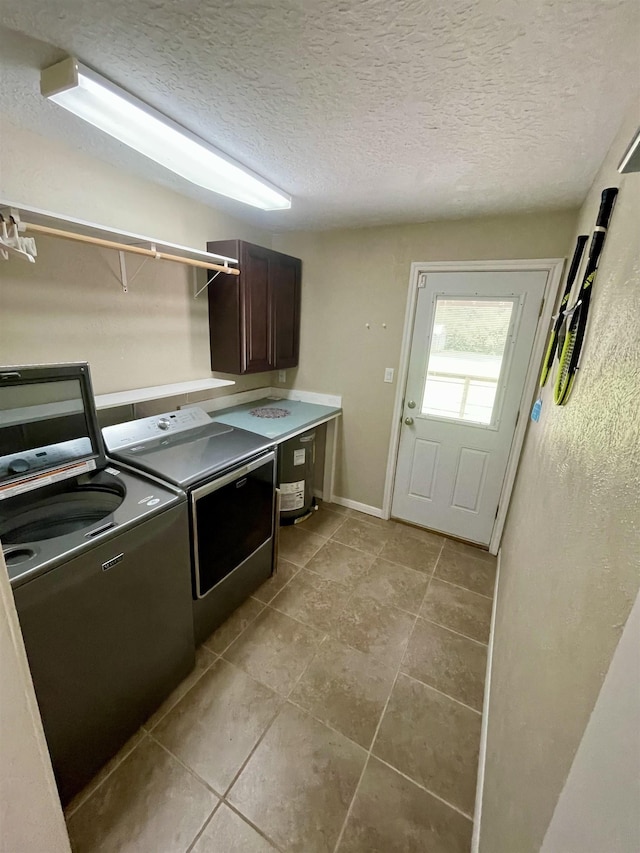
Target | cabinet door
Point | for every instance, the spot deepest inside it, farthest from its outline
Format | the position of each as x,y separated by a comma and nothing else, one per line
284,280
254,276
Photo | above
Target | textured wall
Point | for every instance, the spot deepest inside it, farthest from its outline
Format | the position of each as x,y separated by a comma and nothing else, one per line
598,808
70,306
571,550
359,276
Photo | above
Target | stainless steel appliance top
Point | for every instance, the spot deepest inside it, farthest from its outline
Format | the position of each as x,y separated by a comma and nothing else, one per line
185,447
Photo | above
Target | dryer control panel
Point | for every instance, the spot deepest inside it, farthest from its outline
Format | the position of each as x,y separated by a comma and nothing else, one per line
121,436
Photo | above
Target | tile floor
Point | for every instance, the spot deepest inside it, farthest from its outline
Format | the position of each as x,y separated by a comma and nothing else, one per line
338,709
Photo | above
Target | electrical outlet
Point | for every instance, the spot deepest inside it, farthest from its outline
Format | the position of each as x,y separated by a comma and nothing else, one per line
282,376
388,374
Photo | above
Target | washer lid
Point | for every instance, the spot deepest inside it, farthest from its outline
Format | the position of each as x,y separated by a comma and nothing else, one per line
48,426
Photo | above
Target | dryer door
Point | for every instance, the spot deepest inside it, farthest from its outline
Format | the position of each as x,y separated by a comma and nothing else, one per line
232,517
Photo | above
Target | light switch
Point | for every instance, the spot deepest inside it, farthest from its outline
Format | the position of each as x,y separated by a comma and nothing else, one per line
388,374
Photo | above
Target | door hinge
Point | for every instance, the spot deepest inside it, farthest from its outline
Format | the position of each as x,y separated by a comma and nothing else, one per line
496,515
541,308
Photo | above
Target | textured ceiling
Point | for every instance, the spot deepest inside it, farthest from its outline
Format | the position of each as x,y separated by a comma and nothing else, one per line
366,111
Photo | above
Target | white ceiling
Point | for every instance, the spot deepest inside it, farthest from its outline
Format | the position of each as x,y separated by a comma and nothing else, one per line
366,111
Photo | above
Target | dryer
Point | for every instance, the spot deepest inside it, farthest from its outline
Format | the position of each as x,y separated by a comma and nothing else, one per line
229,476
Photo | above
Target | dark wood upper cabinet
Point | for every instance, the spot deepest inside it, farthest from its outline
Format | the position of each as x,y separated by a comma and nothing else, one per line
254,318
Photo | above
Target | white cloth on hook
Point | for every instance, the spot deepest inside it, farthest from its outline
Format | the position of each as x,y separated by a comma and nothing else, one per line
13,245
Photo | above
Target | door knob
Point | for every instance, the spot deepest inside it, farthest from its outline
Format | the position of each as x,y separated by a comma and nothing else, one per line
411,404
408,421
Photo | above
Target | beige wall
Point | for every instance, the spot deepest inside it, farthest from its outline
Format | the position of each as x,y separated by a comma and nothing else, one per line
354,277
598,808
70,305
31,818
571,552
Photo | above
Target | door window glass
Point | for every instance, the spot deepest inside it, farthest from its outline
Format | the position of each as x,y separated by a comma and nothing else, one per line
469,340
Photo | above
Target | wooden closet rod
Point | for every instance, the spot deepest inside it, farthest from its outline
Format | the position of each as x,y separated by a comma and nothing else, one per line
124,247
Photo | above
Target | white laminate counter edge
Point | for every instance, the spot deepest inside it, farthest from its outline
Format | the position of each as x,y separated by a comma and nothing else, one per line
229,400
308,397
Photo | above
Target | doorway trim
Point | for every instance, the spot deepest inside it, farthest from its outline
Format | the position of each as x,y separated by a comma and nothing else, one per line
553,267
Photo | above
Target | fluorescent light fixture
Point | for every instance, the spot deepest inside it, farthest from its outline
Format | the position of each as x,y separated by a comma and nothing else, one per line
94,99
631,158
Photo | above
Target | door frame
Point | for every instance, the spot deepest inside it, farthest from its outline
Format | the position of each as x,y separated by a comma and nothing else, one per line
554,268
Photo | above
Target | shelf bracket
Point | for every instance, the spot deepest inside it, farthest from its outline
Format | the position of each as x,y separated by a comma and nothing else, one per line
195,295
123,273
125,280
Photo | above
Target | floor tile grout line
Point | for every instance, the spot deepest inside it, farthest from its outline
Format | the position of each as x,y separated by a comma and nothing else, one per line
203,827
315,574
376,555
250,622
417,615
353,799
329,632
465,588
68,813
381,718
309,662
253,748
253,825
441,692
368,758
451,630
284,586
284,701
186,767
146,732
295,619
326,724
424,788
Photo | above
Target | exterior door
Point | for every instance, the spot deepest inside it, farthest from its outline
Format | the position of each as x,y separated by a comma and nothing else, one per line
471,344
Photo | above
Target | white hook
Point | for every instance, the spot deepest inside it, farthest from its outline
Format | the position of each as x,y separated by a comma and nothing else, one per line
12,243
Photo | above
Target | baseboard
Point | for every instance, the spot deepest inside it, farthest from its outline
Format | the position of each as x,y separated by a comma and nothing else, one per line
482,757
368,510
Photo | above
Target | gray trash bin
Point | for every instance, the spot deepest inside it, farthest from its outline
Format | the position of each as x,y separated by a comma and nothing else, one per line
296,458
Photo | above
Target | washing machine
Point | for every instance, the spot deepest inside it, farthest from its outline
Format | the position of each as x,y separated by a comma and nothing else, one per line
98,560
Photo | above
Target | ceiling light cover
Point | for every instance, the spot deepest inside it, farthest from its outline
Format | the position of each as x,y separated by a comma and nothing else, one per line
631,158
94,99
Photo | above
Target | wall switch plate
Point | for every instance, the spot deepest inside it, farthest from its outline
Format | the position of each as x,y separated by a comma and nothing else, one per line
282,376
388,374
